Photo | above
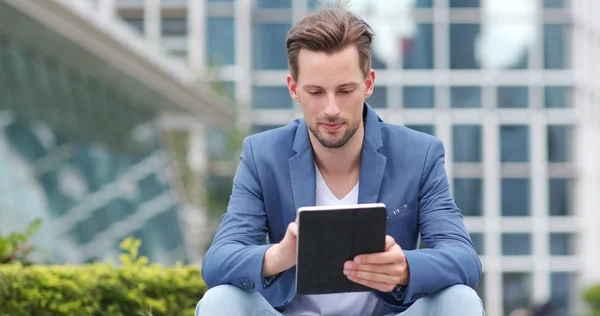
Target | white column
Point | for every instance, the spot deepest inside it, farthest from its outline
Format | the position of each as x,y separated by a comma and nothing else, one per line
197,36
587,199
539,208
244,57
106,8
152,23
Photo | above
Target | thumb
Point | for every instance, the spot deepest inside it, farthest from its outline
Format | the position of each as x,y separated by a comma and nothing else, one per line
389,242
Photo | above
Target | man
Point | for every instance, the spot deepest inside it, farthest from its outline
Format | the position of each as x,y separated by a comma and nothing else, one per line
340,153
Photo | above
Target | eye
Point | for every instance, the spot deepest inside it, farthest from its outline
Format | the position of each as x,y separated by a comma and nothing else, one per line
346,91
314,92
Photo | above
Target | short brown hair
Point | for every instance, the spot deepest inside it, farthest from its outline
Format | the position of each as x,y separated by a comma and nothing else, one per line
330,30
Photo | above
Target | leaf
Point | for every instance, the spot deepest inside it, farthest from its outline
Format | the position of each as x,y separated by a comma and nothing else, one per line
33,228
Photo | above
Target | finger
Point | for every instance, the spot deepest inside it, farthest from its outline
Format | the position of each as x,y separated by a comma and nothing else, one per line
392,270
389,242
293,229
370,276
383,287
393,255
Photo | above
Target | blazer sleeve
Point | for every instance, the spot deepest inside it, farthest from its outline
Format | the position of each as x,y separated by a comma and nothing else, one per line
236,254
451,257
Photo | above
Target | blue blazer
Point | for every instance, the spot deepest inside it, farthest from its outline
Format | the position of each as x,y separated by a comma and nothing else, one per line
399,167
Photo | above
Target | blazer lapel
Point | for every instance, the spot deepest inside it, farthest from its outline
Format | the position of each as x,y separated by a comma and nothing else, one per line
372,167
302,173
372,162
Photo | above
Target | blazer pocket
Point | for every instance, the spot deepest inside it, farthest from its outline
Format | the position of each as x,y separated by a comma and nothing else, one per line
398,212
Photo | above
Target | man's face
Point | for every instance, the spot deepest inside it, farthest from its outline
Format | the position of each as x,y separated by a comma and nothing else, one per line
332,90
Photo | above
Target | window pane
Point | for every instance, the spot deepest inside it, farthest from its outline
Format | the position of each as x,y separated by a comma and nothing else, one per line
559,140
561,244
514,143
137,24
274,3
516,244
216,145
468,196
465,3
418,97
272,98
427,129
516,289
220,0
220,43
424,4
557,97
555,46
554,4
263,128
513,97
269,46
560,197
477,239
562,289
466,143
515,197
418,50
465,97
174,26
379,98
462,46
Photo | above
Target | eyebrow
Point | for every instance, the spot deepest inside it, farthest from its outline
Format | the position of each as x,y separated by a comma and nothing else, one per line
345,84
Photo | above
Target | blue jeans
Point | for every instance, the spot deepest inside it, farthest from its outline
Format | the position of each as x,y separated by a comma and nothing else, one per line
228,300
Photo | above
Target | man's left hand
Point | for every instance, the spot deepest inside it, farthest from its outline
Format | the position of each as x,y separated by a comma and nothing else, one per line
380,271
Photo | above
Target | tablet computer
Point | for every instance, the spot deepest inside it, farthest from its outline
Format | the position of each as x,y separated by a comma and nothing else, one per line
328,236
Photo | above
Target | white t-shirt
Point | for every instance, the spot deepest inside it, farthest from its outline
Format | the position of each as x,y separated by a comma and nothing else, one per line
347,304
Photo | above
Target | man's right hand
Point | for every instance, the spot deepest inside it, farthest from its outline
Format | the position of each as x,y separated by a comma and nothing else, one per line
281,256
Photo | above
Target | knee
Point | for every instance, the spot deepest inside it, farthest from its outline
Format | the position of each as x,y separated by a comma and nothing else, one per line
216,297
459,298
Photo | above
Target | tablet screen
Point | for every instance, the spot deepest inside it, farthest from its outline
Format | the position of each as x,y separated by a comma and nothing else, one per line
328,237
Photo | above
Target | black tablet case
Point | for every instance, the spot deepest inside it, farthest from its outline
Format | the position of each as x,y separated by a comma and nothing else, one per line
327,239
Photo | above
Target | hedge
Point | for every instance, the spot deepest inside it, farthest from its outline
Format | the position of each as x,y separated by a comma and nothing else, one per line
132,288
592,298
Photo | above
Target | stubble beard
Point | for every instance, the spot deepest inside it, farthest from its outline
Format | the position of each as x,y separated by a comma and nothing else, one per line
333,143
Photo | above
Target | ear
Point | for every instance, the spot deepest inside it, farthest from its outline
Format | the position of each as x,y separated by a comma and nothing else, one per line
293,88
369,83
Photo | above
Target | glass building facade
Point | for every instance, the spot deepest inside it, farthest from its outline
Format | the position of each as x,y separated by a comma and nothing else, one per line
80,146
495,80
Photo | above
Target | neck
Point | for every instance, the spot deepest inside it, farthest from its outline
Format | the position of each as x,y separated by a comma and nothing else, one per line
342,160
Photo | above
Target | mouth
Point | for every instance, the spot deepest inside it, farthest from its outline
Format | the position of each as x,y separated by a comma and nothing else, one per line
332,126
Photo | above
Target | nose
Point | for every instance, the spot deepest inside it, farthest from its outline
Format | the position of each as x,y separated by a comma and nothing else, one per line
332,108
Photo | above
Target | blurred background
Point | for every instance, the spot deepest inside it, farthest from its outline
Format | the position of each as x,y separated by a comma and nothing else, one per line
125,118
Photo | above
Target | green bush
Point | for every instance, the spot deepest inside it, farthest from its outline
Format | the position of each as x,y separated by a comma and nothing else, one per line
592,298
134,288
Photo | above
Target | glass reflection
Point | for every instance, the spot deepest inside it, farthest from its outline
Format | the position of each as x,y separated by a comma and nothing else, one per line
516,244
462,46
516,289
269,52
468,196
418,49
220,43
272,98
513,97
418,97
465,3
465,97
557,97
466,142
555,46
560,197
515,197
